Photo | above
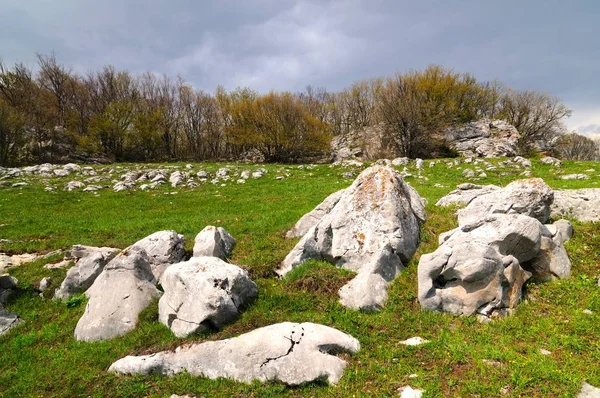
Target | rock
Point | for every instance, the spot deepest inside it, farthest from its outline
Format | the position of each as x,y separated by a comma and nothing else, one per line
588,391
290,353
484,138
312,218
163,249
575,177
419,164
203,293
364,143
465,193
581,204
222,173
8,282
7,320
90,262
468,173
245,174
72,167
414,341
61,172
202,175
409,392
545,352
400,161
522,161
214,242
176,179
72,185
117,296
531,197
552,260
477,269
551,161
92,188
366,292
44,284
123,186
7,262
373,229
565,228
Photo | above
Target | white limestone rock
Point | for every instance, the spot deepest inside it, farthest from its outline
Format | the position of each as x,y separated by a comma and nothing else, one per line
203,293
117,296
163,249
214,242
289,353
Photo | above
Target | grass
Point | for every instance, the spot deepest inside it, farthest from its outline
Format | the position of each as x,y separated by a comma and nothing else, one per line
41,357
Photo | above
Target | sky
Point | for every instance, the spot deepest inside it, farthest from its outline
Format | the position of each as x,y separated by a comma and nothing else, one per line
544,45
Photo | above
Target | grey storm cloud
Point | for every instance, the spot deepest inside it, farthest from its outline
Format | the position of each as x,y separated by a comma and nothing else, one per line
545,45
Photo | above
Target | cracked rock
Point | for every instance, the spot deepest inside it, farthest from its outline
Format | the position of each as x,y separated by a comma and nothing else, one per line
203,293
581,204
289,353
117,296
372,229
214,242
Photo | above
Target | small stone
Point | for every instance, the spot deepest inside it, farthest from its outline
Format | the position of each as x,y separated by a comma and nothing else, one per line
414,341
588,312
409,392
545,352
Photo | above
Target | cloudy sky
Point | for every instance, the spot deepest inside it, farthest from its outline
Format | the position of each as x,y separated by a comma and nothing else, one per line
546,45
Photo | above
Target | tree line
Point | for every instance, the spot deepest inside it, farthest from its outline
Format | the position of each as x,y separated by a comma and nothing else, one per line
52,113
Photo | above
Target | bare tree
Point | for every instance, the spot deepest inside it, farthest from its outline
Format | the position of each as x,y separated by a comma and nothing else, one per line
576,147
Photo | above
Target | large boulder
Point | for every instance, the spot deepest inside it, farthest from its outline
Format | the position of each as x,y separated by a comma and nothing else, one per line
90,262
581,204
117,296
373,228
477,268
214,242
483,138
312,218
203,293
530,197
163,249
290,353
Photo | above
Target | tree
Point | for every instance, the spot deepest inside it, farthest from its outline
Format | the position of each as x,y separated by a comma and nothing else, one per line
278,126
537,117
12,134
576,147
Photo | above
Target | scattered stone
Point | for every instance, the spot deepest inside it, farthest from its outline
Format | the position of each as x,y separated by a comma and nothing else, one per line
163,248
72,185
7,320
44,284
400,161
545,352
468,173
214,242
551,161
92,188
61,173
409,392
414,341
372,229
575,177
588,312
203,293
289,353
522,161
202,175
117,296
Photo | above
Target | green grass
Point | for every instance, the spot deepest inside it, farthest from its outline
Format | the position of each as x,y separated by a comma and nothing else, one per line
41,357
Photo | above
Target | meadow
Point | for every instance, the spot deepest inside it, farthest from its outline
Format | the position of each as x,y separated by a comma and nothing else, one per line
463,358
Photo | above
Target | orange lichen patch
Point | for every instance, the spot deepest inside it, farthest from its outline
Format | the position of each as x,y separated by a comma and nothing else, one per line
360,238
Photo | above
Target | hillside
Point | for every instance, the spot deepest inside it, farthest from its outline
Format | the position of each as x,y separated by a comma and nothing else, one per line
463,357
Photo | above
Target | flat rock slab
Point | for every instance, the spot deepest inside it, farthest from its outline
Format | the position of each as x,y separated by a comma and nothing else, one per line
588,391
290,353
